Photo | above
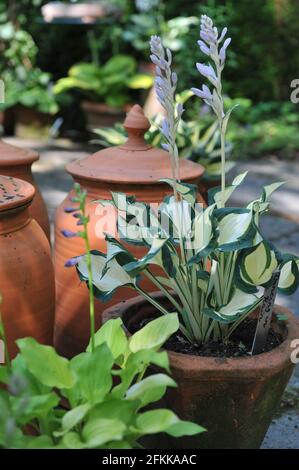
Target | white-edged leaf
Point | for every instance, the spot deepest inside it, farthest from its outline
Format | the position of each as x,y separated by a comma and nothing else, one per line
240,304
258,265
289,277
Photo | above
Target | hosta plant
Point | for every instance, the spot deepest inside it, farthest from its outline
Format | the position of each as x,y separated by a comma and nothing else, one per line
97,400
212,263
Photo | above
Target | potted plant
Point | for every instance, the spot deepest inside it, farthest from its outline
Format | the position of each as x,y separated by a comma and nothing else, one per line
213,267
105,88
29,104
97,400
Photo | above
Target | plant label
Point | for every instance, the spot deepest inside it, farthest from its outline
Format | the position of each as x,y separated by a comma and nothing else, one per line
265,316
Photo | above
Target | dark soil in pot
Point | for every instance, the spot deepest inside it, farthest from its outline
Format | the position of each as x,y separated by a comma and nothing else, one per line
234,397
239,345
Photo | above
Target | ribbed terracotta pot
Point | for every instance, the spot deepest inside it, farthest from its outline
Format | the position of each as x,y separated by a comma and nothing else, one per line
135,169
27,284
233,398
17,163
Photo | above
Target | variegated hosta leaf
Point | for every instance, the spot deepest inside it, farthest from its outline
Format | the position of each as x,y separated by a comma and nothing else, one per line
176,218
153,256
187,191
104,284
137,223
203,234
257,266
262,204
289,276
241,304
237,229
215,194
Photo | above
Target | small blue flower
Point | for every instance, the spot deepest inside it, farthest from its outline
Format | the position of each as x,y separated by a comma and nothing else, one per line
69,210
72,262
69,233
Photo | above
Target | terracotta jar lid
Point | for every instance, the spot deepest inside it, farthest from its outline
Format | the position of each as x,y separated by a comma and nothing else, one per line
134,162
13,156
14,193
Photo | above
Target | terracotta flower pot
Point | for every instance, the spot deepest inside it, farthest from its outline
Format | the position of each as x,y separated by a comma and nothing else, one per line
17,163
102,115
27,283
233,398
135,169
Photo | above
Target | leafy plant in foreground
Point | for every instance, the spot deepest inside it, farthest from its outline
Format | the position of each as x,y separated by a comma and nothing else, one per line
214,261
96,400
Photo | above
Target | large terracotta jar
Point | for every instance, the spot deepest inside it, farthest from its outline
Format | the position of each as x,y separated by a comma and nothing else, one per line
135,169
27,284
17,163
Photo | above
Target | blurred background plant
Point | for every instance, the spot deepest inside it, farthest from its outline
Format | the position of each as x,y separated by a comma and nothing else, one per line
38,53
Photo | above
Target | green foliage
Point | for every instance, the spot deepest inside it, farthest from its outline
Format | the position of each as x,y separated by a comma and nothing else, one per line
108,83
24,82
78,404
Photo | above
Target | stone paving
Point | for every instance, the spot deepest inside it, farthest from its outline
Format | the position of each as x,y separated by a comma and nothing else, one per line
281,226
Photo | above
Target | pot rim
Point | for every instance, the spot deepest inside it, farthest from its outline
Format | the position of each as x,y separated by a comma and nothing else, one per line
187,366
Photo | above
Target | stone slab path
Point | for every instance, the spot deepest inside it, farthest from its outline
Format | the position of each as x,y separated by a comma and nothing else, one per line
281,226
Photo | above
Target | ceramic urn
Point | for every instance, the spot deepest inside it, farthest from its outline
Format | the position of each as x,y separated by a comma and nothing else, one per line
134,168
17,162
27,286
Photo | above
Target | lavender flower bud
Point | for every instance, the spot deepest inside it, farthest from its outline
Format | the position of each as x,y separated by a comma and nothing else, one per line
69,233
72,262
222,53
206,70
179,109
165,128
165,147
203,47
69,210
174,78
223,33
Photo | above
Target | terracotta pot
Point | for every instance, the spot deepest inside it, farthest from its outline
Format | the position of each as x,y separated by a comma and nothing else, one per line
17,163
26,269
31,123
233,398
134,168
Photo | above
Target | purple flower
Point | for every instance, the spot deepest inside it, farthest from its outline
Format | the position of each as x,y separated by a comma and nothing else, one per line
72,262
222,53
206,70
224,31
165,147
69,233
203,47
180,109
165,128
205,93
174,78
69,210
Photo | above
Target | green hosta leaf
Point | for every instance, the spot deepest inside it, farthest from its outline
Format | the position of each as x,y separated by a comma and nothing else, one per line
113,335
40,442
113,408
97,432
184,428
140,80
150,389
236,229
155,421
104,284
289,277
240,305
136,364
257,265
93,371
37,406
72,418
45,364
162,420
72,440
187,191
154,334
